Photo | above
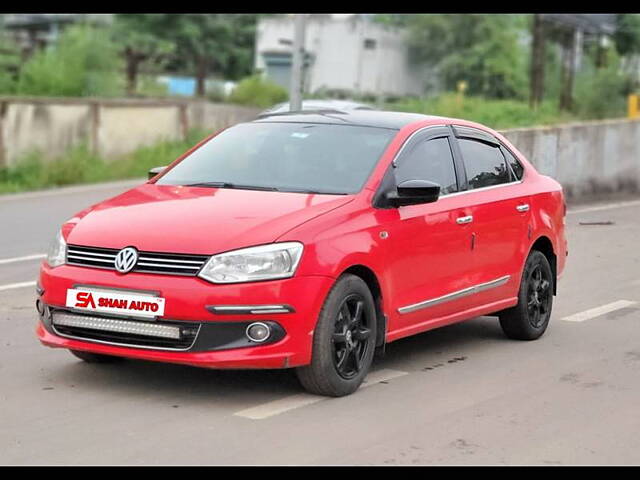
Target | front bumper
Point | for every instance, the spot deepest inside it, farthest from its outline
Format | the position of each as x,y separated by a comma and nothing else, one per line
220,341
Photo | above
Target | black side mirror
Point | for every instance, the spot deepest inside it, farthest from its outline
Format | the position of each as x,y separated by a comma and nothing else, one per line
413,192
155,171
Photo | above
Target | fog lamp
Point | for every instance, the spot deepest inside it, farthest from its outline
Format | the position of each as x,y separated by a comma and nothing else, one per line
258,332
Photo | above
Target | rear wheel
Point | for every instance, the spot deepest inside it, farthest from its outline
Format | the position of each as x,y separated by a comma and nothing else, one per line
529,319
343,341
94,357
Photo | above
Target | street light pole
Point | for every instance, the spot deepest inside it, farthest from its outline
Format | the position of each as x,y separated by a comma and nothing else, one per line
295,88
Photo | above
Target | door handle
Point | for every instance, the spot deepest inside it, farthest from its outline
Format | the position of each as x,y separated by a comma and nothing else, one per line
463,220
523,208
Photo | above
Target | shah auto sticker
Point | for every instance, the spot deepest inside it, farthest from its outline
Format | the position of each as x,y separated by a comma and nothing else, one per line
115,302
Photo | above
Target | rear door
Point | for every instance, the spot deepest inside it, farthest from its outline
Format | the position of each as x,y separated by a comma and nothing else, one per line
500,214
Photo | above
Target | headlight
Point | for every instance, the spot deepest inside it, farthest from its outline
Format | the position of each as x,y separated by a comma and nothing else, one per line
266,262
57,251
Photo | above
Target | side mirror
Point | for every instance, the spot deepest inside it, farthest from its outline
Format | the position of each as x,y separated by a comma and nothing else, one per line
155,171
413,192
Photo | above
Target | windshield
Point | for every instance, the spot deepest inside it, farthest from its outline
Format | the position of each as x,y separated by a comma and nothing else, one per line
294,157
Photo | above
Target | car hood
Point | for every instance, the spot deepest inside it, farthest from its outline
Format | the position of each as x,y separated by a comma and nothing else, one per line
195,220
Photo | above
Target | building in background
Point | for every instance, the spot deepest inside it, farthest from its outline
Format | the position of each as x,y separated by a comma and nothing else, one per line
32,31
343,53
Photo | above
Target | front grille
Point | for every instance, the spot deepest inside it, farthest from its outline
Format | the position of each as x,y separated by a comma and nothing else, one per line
148,262
159,335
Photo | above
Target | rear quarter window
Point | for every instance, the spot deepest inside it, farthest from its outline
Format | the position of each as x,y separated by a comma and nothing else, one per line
484,163
514,163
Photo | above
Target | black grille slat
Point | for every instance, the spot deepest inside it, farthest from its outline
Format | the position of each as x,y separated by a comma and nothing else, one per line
148,262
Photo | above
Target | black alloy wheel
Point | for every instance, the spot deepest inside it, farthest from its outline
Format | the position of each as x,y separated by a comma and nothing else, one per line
350,337
529,319
344,340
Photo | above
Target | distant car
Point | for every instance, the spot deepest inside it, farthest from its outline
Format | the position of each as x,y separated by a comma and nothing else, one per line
309,240
343,105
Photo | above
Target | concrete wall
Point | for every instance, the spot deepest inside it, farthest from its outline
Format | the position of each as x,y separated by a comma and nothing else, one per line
587,158
109,127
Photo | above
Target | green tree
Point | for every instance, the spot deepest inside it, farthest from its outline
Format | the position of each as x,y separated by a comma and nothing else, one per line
84,62
208,43
627,35
140,43
486,51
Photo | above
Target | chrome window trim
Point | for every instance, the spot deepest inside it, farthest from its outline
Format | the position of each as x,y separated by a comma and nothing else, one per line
408,140
470,190
481,287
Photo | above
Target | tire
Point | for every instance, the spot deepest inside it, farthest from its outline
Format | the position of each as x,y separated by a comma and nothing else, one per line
343,341
529,319
94,357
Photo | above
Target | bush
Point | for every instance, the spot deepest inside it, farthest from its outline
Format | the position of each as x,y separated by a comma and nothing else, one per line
602,93
493,113
258,91
84,62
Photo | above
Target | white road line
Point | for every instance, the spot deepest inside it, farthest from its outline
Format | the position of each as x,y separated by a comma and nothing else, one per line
4,261
276,407
597,311
608,206
11,286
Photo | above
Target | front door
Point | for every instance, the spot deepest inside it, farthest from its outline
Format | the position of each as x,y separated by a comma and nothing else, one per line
429,246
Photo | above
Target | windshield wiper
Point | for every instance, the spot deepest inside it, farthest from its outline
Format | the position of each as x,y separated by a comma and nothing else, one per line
232,185
316,192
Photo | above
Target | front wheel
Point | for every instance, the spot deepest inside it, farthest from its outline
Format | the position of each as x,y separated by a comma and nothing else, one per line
343,341
529,319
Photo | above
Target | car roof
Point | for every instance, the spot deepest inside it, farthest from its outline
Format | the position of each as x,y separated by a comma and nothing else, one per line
317,104
368,118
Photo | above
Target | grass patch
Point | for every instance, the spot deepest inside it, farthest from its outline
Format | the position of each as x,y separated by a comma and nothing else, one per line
79,165
497,114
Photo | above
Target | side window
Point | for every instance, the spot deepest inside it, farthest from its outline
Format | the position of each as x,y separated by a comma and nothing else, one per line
484,163
430,160
516,166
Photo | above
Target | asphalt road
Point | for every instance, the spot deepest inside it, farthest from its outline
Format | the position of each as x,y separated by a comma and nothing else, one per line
462,394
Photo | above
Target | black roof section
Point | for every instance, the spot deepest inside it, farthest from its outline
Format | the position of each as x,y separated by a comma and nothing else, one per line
365,118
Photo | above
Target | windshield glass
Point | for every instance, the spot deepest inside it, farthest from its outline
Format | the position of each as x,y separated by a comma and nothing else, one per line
305,157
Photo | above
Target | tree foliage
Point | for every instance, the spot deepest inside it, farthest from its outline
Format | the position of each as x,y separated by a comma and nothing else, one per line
84,62
485,51
140,44
209,43
627,36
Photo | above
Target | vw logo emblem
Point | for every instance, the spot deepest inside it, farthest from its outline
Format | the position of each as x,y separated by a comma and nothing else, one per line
126,259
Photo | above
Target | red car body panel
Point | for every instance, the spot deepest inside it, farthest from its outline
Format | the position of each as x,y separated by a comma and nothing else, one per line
416,253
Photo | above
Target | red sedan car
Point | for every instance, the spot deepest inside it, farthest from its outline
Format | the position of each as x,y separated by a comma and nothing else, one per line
308,240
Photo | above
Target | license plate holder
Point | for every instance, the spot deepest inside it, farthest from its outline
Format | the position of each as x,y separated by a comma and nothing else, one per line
128,303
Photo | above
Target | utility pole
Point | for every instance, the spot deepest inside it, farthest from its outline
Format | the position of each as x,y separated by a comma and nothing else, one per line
295,86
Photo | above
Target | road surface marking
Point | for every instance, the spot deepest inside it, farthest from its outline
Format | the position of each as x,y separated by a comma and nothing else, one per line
4,261
11,286
608,206
292,402
597,311
382,376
